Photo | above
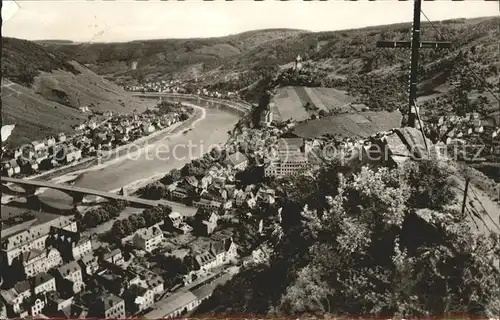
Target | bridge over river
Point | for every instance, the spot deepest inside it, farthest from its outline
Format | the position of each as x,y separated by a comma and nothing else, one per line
149,163
78,193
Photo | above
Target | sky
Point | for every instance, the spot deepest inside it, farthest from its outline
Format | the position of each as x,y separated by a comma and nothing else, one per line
123,20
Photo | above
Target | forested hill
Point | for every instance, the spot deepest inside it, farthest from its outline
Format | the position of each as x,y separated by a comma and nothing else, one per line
42,90
371,243
346,59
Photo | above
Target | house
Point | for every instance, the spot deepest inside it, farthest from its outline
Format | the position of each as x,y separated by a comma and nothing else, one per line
290,145
73,154
206,181
12,167
33,238
173,221
176,218
3,310
175,305
266,117
184,228
266,195
148,279
138,298
231,249
92,125
43,282
240,197
51,141
81,247
179,193
115,257
287,164
69,276
35,304
107,306
36,261
89,265
192,181
78,127
148,239
70,244
148,128
207,204
14,297
155,283
60,308
38,146
237,160
205,221
41,156
218,251
205,260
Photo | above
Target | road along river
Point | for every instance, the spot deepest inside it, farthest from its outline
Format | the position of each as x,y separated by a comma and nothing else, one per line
156,158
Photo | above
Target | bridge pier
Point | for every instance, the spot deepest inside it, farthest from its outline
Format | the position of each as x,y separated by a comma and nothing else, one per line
77,197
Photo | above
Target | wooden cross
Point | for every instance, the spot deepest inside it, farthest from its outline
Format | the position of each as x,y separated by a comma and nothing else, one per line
415,44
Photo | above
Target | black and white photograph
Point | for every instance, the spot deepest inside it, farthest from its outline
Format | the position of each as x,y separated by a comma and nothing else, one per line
250,159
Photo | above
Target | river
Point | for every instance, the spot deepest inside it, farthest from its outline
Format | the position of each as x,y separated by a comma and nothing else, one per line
156,159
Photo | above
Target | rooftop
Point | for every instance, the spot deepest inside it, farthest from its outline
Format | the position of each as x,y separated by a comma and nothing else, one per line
109,300
22,286
41,278
172,303
217,247
236,158
290,143
204,258
68,268
40,229
149,233
31,255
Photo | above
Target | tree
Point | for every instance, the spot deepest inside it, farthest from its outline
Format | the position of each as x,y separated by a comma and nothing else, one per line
171,177
431,185
154,191
367,250
118,230
322,113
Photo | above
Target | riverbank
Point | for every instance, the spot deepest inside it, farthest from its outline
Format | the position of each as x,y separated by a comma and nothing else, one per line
162,154
142,147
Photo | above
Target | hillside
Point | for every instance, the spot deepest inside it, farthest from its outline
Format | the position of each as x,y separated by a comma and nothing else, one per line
300,103
156,57
347,60
376,242
42,91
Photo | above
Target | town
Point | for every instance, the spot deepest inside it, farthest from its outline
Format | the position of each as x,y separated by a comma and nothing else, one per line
101,133
154,171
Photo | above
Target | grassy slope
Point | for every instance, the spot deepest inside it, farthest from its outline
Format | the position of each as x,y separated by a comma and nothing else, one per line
41,90
290,101
34,116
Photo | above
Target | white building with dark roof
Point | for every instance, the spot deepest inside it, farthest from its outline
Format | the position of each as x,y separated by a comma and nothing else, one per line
14,297
34,237
148,239
108,306
43,282
237,161
72,273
